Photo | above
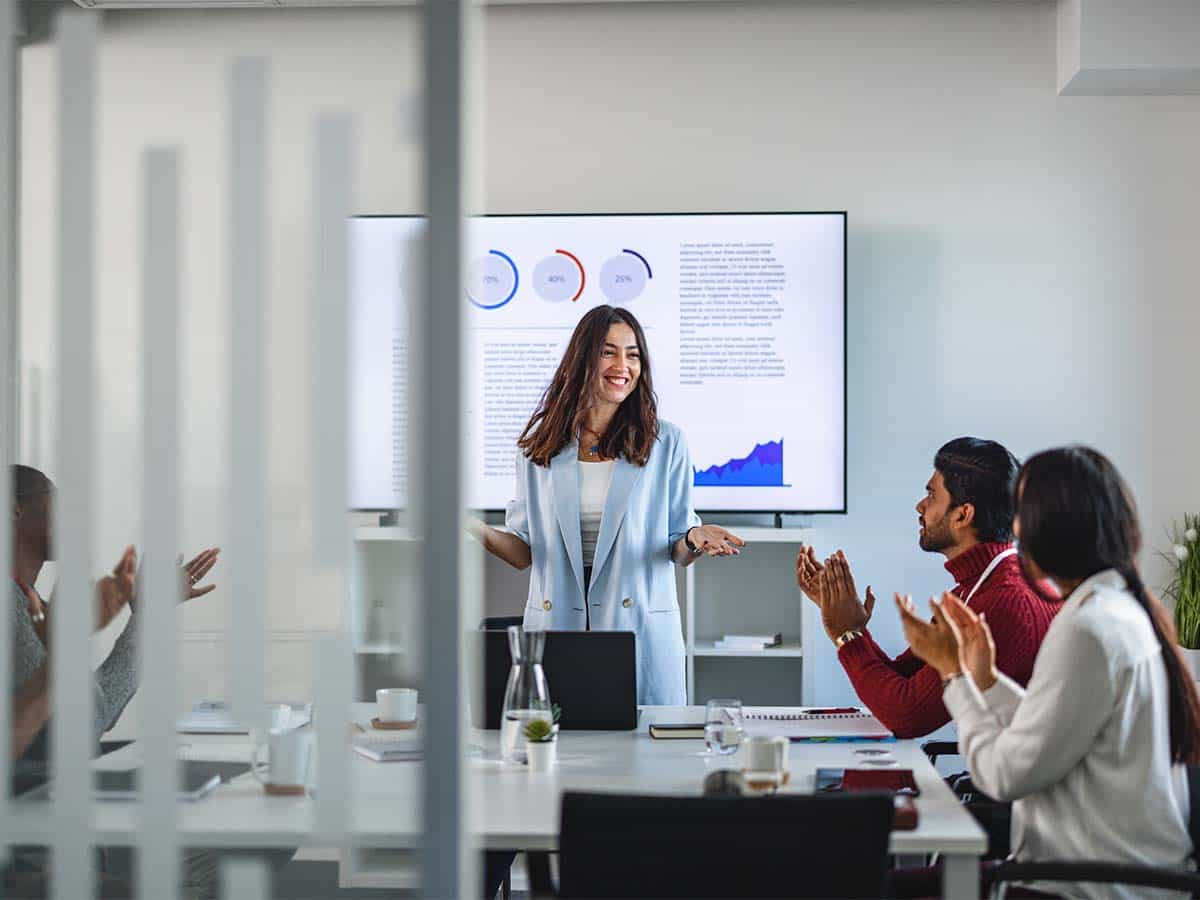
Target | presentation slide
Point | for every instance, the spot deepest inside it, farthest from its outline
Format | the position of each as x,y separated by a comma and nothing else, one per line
744,315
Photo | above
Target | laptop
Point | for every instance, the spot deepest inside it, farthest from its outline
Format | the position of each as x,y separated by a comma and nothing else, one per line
592,675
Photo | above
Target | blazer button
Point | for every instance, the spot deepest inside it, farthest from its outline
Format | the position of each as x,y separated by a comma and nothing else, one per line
627,602
546,605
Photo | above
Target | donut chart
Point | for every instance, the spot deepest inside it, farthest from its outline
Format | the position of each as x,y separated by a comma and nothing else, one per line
559,277
493,280
623,277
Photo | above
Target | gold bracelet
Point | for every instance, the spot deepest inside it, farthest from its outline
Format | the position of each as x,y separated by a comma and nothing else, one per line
846,637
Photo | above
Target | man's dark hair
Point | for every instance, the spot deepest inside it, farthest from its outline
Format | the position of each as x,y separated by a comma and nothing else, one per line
984,474
27,480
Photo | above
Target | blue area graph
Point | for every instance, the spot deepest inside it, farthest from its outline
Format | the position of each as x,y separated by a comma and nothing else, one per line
762,468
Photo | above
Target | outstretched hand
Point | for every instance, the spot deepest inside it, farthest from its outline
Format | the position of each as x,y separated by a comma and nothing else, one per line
194,571
716,541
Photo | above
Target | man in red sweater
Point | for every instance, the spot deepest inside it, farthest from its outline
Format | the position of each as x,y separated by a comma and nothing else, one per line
966,515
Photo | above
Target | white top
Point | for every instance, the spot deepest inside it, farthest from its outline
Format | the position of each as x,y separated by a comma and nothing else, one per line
594,478
1084,751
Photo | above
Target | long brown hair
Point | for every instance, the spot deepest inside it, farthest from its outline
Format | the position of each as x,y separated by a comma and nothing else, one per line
566,401
1077,518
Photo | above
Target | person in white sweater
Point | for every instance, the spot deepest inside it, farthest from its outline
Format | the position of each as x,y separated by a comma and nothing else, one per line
1093,752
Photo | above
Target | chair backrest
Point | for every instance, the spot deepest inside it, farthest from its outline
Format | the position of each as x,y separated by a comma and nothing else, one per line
1193,773
614,845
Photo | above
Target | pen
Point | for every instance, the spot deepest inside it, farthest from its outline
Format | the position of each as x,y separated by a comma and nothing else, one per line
832,710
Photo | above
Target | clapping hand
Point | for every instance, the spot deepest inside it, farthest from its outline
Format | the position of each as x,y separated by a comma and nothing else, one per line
808,573
976,648
115,591
935,642
841,610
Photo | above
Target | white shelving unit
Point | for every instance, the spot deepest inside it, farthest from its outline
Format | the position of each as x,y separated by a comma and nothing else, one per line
754,592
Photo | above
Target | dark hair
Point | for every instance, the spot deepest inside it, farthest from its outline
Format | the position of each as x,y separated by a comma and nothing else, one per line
565,402
27,480
982,473
1079,518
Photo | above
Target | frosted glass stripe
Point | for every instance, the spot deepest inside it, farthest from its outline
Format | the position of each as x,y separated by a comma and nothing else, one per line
244,878
446,862
158,846
9,126
331,205
245,620
333,674
72,723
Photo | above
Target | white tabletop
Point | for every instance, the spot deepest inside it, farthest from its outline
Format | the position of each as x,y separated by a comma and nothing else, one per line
509,807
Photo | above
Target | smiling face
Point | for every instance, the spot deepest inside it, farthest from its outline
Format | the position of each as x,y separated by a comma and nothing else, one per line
620,365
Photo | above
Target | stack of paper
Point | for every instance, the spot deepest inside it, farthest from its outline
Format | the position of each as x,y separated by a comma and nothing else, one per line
749,641
388,746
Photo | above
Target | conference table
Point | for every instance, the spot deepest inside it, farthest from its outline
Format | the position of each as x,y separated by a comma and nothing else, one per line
508,807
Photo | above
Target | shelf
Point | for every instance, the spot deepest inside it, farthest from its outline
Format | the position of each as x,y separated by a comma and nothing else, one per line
375,533
757,534
788,650
379,650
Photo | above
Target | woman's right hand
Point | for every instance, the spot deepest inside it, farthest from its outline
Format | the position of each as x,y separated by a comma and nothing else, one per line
976,648
477,529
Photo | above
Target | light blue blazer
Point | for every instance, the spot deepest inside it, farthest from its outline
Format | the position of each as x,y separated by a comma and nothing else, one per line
633,579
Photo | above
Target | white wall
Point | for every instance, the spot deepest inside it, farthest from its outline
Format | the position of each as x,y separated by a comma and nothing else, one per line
1021,264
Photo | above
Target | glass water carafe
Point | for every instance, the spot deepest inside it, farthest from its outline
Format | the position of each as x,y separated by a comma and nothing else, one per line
526,695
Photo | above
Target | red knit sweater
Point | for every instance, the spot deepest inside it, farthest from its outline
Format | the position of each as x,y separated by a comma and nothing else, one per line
904,693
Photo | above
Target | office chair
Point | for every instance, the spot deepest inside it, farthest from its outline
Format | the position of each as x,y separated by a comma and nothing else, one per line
623,846
1091,871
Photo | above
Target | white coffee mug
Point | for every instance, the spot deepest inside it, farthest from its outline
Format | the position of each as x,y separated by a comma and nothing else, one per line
766,755
289,751
396,704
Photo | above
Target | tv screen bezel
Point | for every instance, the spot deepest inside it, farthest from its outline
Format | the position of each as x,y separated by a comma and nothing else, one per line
844,509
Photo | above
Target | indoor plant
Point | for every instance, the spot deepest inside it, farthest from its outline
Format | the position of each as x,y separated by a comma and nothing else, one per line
1184,588
540,744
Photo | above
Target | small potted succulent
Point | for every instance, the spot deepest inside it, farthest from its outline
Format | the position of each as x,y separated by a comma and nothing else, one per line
540,744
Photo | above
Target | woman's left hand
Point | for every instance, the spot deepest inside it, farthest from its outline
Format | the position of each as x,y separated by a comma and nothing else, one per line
934,642
194,571
716,541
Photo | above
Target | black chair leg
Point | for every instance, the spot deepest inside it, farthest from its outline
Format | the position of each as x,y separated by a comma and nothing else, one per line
506,887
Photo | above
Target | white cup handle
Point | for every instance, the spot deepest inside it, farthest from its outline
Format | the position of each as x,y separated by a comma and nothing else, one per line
257,767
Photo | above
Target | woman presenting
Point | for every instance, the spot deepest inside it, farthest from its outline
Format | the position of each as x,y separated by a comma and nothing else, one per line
603,504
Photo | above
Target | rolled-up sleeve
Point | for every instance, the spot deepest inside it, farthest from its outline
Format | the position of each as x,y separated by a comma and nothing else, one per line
682,517
1016,745
516,514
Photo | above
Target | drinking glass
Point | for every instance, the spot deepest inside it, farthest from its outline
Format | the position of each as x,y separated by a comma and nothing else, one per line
723,726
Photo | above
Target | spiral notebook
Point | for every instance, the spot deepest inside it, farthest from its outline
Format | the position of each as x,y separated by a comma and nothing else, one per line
801,723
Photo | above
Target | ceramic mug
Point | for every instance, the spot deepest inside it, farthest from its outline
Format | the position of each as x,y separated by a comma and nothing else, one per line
289,752
396,704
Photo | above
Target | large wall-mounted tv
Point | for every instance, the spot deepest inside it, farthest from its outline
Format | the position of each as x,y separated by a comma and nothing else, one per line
745,314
